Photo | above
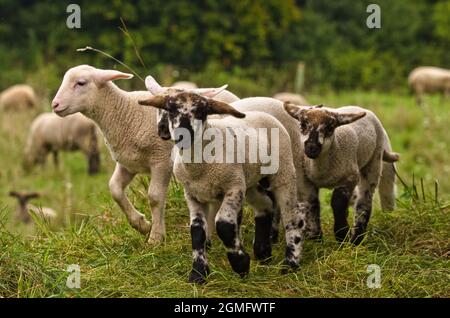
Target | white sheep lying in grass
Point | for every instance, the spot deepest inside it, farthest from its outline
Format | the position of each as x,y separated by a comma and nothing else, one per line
344,148
18,97
223,186
24,208
50,133
428,79
130,132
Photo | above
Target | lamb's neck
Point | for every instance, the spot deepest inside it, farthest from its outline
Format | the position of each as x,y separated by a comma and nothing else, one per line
113,114
326,158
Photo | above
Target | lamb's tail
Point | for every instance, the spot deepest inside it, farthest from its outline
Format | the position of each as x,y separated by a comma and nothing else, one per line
390,157
386,187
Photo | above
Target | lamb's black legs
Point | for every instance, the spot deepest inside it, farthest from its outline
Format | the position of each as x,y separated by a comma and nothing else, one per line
339,203
227,227
200,268
263,206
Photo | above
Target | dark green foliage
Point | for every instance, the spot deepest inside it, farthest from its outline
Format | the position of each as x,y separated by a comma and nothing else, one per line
243,42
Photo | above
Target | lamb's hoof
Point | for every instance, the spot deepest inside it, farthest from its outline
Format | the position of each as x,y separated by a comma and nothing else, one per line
208,244
357,237
240,263
155,238
289,266
274,236
199,273
263,253
314,236
341,234
142,225
197,278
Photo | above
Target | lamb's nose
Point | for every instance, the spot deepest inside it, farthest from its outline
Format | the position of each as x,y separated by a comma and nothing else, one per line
55,104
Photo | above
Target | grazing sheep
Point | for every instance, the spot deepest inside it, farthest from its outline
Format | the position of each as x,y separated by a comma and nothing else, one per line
224,185
18,97
50,133
24,208
344,149
130,132
428,79
185,85
291,97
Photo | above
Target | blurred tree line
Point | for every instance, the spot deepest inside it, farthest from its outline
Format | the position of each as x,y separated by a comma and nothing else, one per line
253,45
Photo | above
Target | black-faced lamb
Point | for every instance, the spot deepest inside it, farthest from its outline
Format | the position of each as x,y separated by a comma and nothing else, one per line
225,184
24,208
344,149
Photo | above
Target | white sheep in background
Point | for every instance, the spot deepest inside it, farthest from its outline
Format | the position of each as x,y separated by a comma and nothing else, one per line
131,134
50,133
344,149
185,85
24,208
291,97
18,97
225,186
428,79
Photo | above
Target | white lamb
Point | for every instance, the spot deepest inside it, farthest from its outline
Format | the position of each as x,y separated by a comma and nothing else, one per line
50,133
291,97
18,97
344,148
130,132
429,79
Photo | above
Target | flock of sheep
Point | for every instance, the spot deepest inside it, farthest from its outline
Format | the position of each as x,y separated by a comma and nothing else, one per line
344,149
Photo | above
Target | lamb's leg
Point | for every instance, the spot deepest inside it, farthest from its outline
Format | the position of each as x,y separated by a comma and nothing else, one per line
197,211
211,216
157,192
293,216
363,205
264,209
227,227
308,192
55,158
340,201
117,184
276,219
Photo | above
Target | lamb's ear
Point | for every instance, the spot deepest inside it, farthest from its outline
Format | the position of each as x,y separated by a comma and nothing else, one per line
153,86
210,92
32,195
154,101
221,108
14,194
347,118
293,109
103,76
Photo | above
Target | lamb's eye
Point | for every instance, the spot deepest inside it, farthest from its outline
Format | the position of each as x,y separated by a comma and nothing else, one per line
81,82
303,125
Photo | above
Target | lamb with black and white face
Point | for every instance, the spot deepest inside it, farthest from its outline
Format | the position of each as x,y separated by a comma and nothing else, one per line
219,187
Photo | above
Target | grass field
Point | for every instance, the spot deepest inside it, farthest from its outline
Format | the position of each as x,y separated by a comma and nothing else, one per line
411,245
